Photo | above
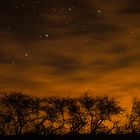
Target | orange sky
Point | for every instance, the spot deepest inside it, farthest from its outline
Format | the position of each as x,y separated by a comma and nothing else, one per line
70,48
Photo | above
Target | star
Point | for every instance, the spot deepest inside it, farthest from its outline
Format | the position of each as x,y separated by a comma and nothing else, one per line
46,35
99,11
26,54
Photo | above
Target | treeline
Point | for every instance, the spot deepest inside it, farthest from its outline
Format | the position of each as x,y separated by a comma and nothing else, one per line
21,114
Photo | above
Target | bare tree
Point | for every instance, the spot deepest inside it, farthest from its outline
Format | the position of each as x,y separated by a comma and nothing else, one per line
52,119
88,103
17,112
77,118
105,108
100,110
24,114
133,124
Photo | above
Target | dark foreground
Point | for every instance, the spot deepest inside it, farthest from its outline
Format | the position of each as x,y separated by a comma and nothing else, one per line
73,137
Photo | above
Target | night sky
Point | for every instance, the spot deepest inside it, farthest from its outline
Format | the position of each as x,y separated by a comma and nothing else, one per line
69,47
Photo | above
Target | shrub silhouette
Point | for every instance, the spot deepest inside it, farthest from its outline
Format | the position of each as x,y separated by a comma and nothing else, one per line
22,114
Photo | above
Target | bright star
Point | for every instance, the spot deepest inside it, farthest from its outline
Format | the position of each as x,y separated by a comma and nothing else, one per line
26,54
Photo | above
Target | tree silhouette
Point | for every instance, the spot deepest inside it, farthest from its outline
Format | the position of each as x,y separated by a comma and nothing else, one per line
106,107
133,124
76,118
52,118
17,112
100,109
88,103
22,114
